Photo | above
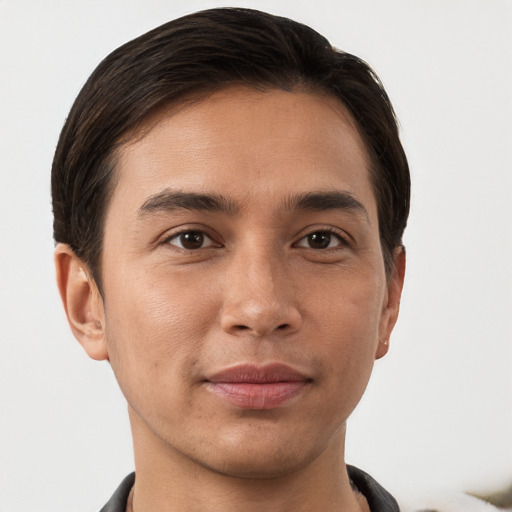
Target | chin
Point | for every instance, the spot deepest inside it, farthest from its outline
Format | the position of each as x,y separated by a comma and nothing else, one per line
259,457
258,466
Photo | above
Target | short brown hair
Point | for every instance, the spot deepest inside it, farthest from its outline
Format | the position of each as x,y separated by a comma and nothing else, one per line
198,54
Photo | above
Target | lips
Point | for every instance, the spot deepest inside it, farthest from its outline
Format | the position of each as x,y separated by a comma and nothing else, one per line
258,387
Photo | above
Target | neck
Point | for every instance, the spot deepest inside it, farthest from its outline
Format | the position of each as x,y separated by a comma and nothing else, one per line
169,481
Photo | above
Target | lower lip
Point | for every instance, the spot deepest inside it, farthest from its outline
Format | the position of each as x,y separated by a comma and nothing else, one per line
257,396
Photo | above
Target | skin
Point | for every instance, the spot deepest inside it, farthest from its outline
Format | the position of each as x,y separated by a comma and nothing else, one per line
259,288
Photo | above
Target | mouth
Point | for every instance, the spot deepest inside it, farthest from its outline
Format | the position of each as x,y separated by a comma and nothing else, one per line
258,387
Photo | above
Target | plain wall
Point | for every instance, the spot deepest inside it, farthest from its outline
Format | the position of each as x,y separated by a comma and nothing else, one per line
438,409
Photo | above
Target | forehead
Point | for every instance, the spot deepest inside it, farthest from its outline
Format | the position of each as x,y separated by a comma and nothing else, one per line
240,141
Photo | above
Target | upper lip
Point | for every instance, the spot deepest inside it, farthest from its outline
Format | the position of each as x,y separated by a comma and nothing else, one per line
255,374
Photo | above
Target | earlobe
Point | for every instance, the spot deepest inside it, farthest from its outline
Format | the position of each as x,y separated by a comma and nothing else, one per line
391,306
82,302
382,348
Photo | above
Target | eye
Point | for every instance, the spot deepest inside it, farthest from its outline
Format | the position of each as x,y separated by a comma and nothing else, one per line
191,240
321,240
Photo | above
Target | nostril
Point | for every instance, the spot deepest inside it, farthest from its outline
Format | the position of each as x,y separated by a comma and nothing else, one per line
283,326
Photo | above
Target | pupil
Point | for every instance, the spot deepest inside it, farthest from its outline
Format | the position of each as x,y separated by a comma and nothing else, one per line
320,240
192,240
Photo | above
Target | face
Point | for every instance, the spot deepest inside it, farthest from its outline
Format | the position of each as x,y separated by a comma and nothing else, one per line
245,297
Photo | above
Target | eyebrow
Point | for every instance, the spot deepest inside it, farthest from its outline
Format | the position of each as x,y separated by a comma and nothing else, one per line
325,201
170,200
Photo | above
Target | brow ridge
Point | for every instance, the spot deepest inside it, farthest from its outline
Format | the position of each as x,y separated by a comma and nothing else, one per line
172,200
324,201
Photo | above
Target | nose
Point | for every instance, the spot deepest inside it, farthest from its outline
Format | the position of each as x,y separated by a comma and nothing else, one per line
259,299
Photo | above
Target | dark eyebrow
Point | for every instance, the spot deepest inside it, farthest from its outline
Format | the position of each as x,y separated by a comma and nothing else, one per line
172,200
322,201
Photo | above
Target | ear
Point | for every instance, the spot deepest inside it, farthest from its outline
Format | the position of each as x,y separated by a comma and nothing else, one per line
82,302
391,304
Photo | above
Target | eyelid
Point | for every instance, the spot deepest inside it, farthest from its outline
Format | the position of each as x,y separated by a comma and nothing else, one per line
177,232
344,238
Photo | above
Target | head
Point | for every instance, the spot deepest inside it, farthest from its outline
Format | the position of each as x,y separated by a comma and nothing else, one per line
230,194
188,59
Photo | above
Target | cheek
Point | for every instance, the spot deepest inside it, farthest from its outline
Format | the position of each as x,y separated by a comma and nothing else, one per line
155,330
347,317
350,306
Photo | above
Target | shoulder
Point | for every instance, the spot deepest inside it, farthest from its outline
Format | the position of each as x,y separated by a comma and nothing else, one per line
117,503
444,502
381,500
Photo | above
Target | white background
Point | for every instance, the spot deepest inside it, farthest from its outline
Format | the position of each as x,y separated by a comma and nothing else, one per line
438,410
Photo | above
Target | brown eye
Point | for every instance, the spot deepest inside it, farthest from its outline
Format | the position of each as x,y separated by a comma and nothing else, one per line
191,240
321,240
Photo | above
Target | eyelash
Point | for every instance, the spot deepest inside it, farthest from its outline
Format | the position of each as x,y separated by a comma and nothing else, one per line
343,242
200,232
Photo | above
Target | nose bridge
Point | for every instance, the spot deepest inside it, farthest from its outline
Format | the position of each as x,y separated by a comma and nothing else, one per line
258,298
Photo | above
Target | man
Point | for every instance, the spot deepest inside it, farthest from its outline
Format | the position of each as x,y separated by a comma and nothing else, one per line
229,195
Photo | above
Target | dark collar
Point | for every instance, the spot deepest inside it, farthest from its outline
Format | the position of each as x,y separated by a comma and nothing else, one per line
118,501
378,498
